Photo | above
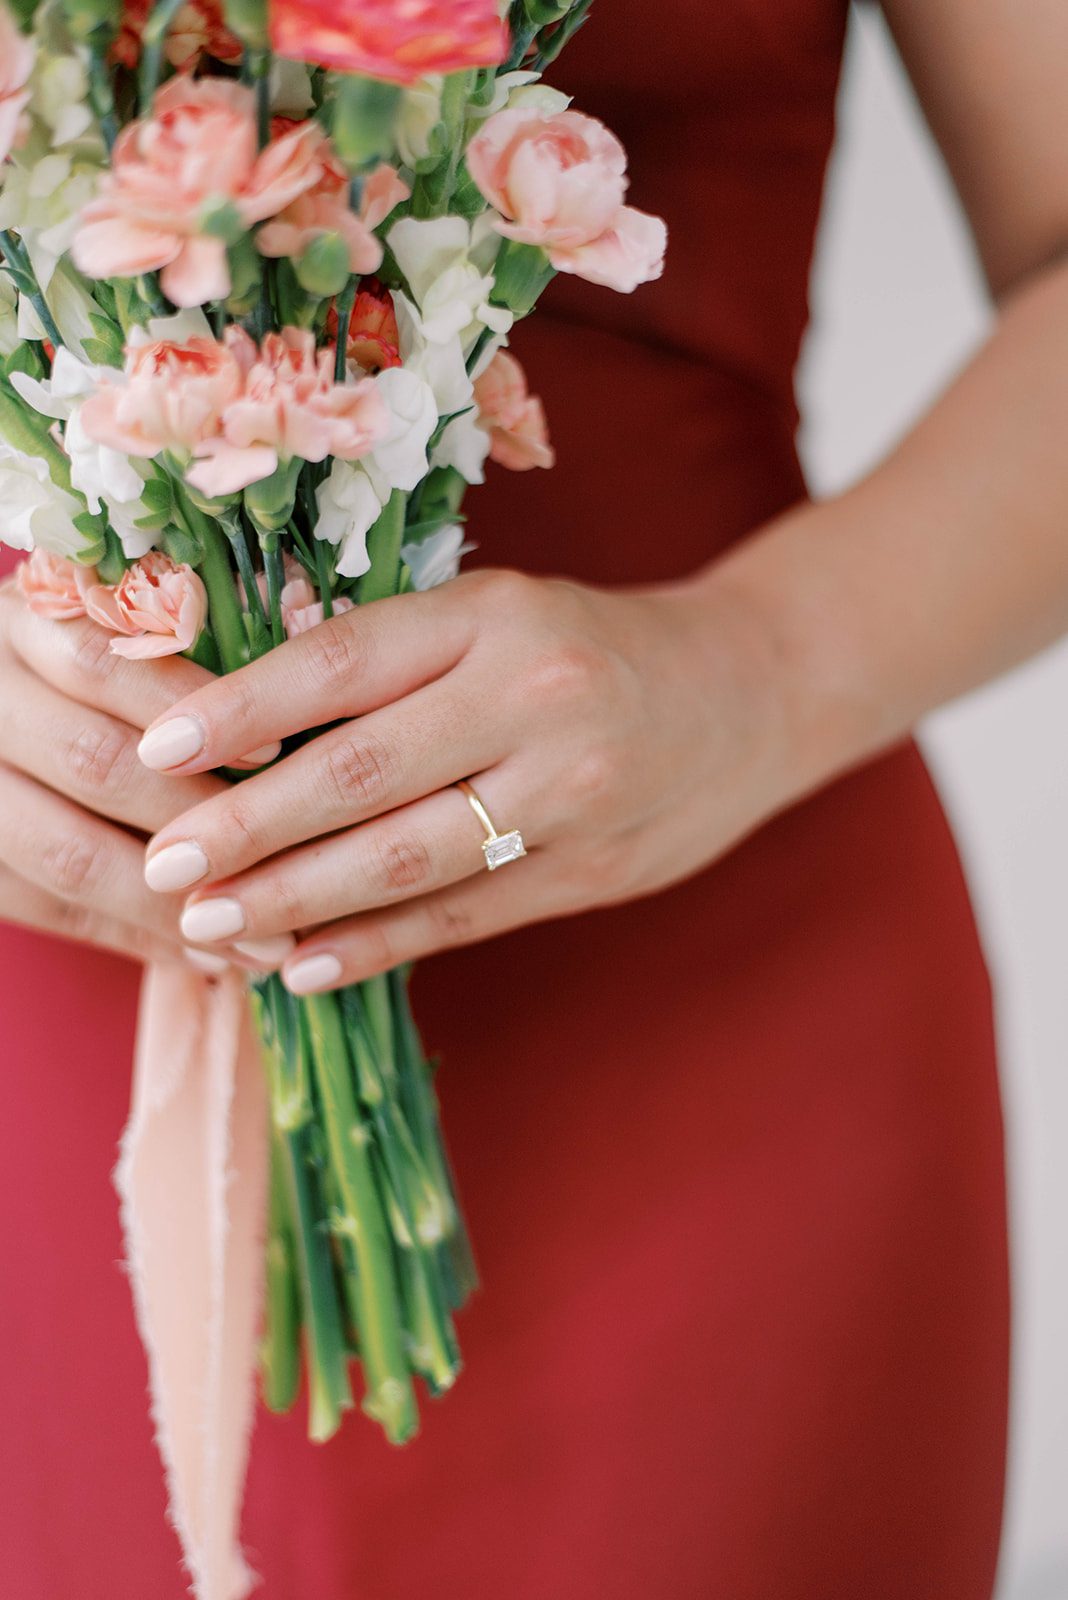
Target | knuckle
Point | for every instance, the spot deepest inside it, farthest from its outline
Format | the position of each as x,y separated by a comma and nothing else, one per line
564,675
330,653
97,757
451,922
594,776
72,866
358,771
287,903
402,863
90,651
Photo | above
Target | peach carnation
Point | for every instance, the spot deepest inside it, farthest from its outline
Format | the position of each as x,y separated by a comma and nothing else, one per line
512,416
199,29
558,180
197,150
398,40
158,609
290,406
54,587
172,395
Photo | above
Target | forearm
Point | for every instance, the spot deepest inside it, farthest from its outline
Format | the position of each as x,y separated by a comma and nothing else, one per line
944,567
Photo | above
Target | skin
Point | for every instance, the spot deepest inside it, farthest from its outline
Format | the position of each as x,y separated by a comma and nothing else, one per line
635,735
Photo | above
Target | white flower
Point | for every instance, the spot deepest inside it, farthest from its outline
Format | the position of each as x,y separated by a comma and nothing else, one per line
9,316
441,364
419,114
106,477
37,514
71,306
465,446
436,558
348,510
290,89
451,290
537,96
399,460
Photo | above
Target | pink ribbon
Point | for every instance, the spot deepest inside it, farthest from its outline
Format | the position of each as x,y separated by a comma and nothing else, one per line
192,1177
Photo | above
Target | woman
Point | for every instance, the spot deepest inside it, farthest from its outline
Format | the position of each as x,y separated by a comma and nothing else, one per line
731,1142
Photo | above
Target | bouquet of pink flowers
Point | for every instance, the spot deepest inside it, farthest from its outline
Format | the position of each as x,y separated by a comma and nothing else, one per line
260,263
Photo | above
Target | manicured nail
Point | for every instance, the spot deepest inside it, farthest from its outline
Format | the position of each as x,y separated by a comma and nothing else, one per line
176,866
272,952
260,757
209,920
312,974
204,961
171,743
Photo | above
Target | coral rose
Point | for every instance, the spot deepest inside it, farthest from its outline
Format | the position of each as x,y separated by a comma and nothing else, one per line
512,416
173,394
199,29
54,587
398,40
16,64
196,151
158,609
290,406
558,180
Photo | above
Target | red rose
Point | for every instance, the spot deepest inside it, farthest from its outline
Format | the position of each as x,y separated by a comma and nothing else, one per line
398,40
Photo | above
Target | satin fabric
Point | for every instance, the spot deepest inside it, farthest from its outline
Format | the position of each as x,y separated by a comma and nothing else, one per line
732,1156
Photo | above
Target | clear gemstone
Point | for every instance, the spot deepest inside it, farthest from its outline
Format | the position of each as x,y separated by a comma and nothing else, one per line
504,848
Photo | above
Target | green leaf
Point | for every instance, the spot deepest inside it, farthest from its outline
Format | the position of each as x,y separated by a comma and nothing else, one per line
158,496
182,546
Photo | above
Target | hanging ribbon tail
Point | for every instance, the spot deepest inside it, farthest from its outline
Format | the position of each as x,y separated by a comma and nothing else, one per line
192,1178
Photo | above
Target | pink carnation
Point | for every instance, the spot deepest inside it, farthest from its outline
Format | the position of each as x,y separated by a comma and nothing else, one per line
512,416
398,40
16,64
301,609
158,609
196,150
325,209
172,396
53,586
290,406
199,29
558,181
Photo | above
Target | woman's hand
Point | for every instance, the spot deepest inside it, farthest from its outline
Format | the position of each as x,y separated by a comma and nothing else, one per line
75,802
630,736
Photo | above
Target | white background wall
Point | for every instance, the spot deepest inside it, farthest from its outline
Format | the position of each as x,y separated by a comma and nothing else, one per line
898,305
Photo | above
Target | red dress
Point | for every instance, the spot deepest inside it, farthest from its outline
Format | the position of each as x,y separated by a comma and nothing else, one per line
732,1156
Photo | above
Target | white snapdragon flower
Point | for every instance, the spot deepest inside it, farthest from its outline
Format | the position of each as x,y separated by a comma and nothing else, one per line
352,497
465,446
450,277
436,559
107,478
419,114
70,303
37,513
290,89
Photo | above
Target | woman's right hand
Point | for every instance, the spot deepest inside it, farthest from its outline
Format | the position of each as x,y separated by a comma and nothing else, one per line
75,802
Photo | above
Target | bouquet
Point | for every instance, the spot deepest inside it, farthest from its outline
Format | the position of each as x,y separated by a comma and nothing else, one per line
259,266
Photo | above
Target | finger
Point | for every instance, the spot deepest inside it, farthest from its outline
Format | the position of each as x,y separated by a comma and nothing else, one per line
349,665
77,857
478,908
88,756
366,768
75,657
30,906
412,851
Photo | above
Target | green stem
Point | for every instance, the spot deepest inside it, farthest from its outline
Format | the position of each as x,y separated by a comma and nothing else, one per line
232,526
323,567
384,545
345,302
280,1351
390,1398
224,610
275,570
27,283
152,42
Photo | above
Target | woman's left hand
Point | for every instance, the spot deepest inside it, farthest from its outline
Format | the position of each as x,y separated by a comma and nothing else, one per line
631,736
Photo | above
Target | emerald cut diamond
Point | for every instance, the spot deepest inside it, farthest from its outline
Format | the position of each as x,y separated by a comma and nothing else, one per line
502,848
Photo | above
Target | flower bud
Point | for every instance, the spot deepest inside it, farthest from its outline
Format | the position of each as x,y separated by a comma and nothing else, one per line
542,12
323,270
221,220
521,272
269,503
248,19
83,17
363,114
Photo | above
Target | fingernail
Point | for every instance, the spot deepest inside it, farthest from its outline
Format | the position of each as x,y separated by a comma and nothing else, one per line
312,974
209,920
171,743
260,757
204,961
272,952
176,866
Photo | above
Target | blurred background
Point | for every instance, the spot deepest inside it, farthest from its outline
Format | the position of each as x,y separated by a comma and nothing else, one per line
898,304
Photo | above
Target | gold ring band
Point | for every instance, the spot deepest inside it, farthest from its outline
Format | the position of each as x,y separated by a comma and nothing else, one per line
498,848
